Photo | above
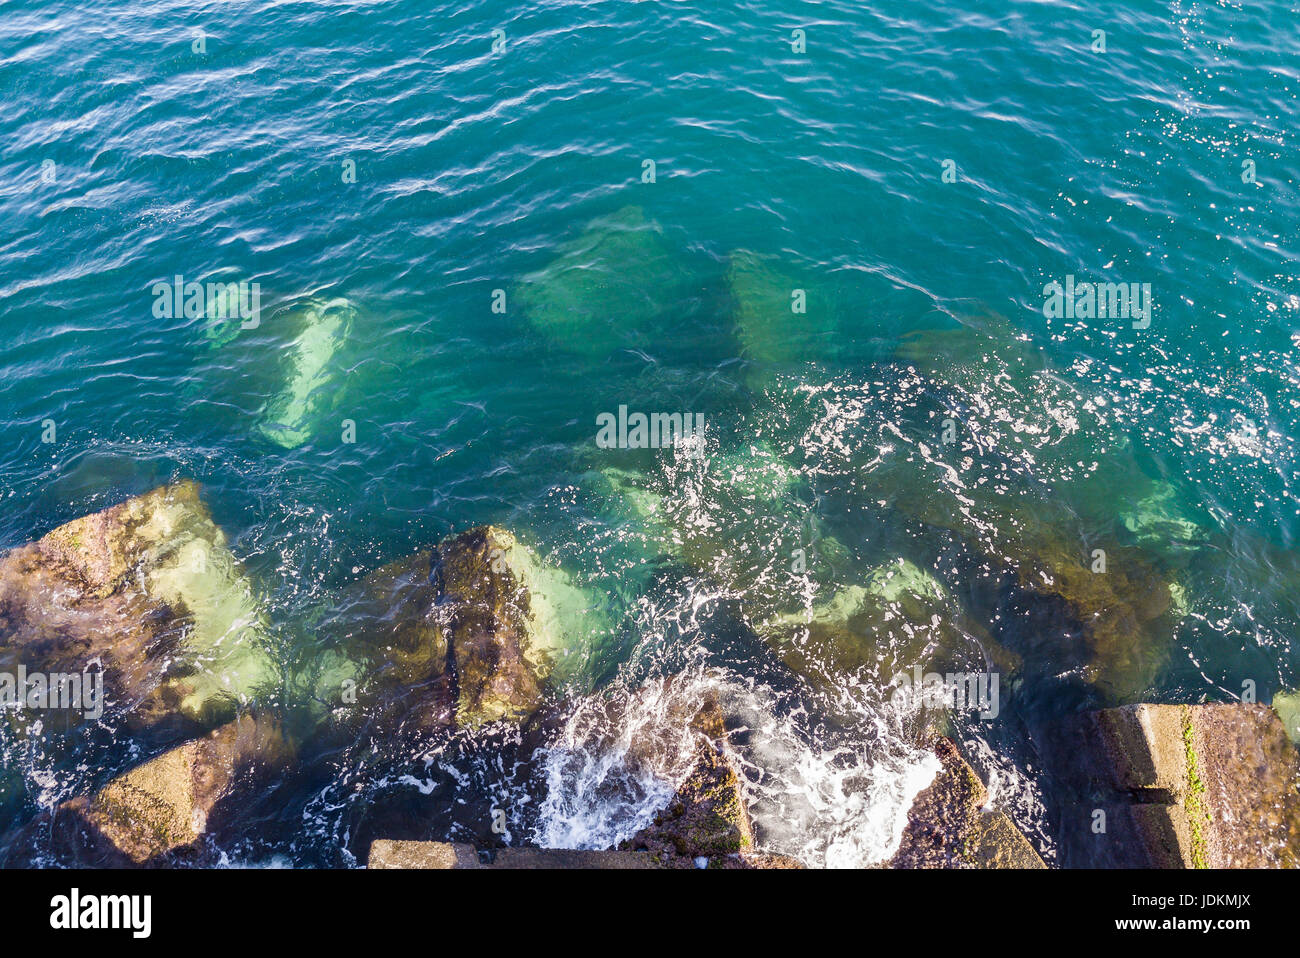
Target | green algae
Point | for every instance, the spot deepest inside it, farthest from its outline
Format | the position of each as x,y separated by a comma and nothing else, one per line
1198,814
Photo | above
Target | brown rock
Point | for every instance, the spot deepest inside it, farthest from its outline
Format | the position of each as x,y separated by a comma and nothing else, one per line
707,817
165,806
149,590
947,826
483,615
459,635
446,855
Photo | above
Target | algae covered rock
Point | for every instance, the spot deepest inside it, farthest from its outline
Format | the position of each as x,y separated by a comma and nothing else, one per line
606,290
948,827
508,619
149,590
899,620
161,811
467,633
485,616
707,816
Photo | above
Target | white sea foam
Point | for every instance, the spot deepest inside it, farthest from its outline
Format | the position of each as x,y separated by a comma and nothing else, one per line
621,757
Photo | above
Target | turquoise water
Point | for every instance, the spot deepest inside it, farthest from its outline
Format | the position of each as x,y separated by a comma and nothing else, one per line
386,155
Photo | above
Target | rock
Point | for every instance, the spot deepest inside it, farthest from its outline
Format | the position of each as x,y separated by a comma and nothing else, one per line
1158,519
468,633
385,853
1287,707
159,812
1181,786
503,615
705,823
707,817
899,616
1032,479
149,589
446,855
767,326
606,289
387,660
227,305
999,388
755,861
995,842
485,618
1111,625
324,327
948,827
899,619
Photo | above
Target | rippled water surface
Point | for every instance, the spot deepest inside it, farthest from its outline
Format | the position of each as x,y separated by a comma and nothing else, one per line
381,171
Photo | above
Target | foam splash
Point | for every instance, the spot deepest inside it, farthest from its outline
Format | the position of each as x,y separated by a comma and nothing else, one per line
837,801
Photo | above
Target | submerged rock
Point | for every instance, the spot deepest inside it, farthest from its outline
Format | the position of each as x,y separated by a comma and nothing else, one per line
1035,473
288,418
900,619
149,590
741,520
160,812
1178,786
386,661
1102,609
606,289
1287,707
227,307
1158,519
948,826
768,327
1008,401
